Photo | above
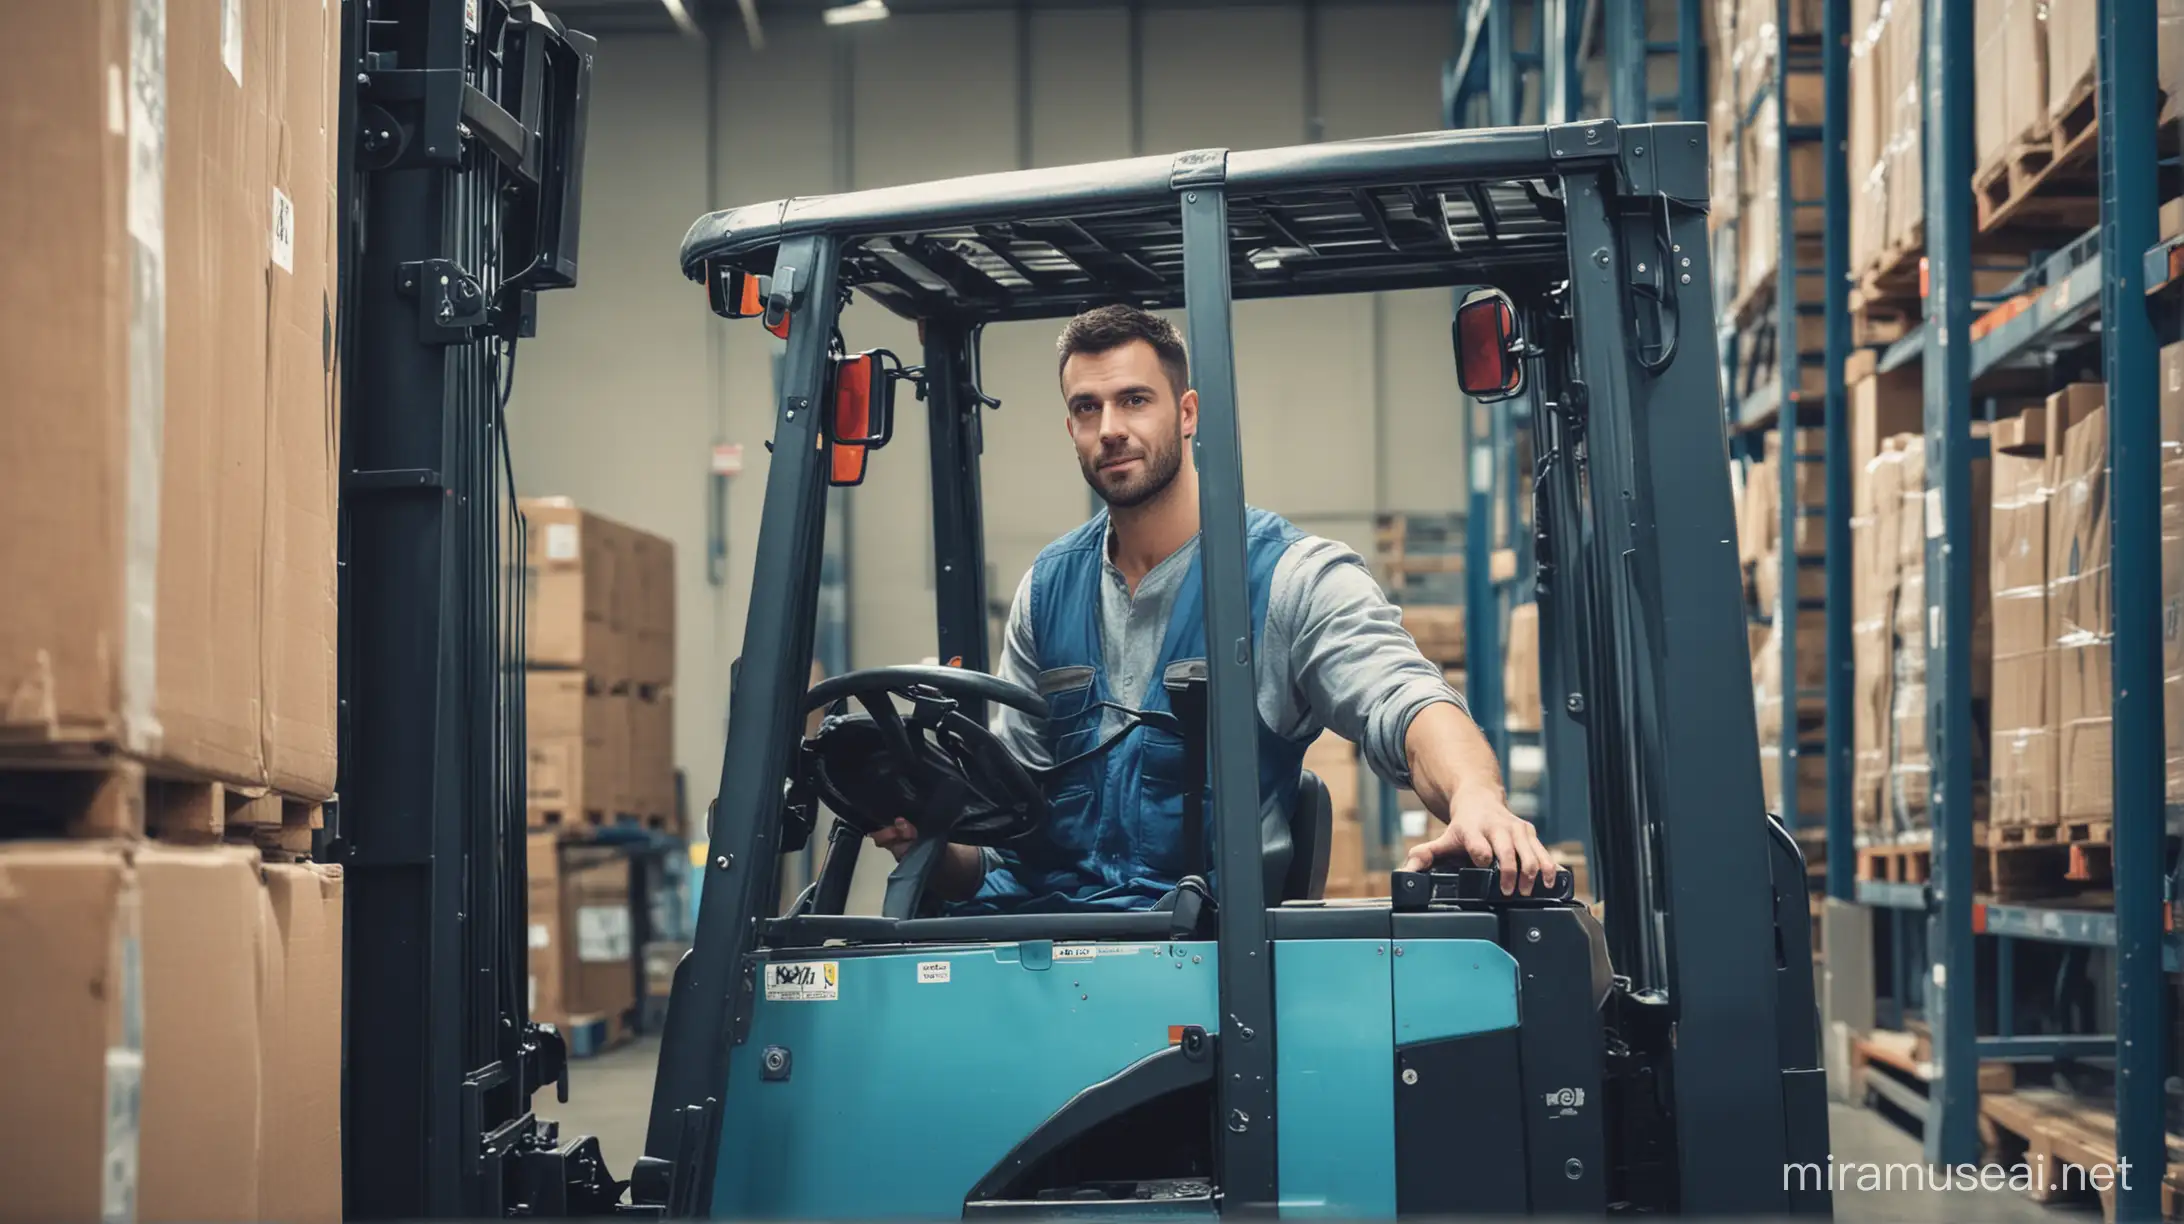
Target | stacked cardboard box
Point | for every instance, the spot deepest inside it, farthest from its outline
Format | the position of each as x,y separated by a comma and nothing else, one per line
1886,126
1520,683
2023,787
583,962
2073,44
1334,760
2078,590
2010,76
1760,171
172,1035
167,486
600,647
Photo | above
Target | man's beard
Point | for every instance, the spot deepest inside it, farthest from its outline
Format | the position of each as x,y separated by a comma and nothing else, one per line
1156,471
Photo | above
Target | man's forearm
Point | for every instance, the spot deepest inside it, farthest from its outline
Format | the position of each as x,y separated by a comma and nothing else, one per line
958,874
1449,756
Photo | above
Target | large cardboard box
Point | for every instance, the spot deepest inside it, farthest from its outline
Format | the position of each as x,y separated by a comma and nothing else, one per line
542,860
650,784
1520,692
71,1030
1334,761
651,598
299,1169
600,962
2009,74
574,577
2172,390
2073,43
1438,629
1881,406
160,395
578,749
204,940
2079,621
2024,784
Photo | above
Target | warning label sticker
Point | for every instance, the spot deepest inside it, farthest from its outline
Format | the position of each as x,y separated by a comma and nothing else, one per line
1065,952
805,982
933,971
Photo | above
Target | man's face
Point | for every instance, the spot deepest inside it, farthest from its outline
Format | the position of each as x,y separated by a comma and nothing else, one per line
1126,421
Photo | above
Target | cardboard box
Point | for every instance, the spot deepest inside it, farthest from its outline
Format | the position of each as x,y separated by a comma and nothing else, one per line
156,391
2073,44
1334,761
299,1170
71,1019
579,748
542,860
2172,622
1881,406
1520,692
2078,614
204,937
652,622
651,774
300,616
599,962
1438,629
1346,874
2009,75
573,563
2024,784
2172,399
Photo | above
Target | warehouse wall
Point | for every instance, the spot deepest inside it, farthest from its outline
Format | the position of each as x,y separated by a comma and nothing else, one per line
1347,404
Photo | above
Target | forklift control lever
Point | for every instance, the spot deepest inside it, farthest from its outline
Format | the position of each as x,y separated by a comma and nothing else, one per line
1454,882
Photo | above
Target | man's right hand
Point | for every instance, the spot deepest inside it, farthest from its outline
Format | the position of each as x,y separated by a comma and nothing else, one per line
897,839
958,874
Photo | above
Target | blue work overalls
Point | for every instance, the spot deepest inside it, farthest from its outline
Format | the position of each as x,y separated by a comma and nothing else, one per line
1114,839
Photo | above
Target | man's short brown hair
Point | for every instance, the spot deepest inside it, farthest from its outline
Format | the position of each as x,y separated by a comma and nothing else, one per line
1104,329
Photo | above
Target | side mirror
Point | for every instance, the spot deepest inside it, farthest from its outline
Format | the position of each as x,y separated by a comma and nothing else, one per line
863,416
733,293
1485,335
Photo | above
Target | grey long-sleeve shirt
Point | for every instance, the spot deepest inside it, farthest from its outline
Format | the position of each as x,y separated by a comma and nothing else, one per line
1333,654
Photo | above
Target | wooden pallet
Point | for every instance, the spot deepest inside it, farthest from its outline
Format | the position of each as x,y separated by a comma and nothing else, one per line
2029,862
75,794
2046,178
2066,1148
1901,863
1893,275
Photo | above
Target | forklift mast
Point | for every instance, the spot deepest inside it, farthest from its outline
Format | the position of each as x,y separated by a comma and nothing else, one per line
459,180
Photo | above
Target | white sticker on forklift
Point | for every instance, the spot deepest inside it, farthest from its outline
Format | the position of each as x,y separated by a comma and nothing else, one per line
1088,951
933,971
807,982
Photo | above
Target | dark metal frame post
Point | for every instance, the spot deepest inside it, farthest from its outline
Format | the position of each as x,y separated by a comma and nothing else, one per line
1482,597
1245,1094
959,533
1835,271
766,714
1625,28
1952,1134
2127,105
1690,62
1789,377
1671,625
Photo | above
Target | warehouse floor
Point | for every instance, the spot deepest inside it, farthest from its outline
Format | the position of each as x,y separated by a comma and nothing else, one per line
610,1095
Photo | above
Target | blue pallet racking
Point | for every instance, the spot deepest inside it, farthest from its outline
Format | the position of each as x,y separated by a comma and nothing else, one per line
2116,289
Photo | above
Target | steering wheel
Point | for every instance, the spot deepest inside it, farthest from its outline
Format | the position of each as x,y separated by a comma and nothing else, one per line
936,767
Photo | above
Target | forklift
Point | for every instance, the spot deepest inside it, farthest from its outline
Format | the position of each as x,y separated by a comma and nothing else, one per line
1245,1046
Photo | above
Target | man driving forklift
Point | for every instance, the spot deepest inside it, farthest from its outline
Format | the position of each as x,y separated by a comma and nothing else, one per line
1112,607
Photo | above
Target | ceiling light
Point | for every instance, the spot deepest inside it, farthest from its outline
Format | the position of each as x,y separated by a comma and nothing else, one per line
848,14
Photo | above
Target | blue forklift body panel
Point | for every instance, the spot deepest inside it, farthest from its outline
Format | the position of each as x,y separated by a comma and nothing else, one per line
988,1043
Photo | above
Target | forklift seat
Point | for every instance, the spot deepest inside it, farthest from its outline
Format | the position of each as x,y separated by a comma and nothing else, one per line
1311,829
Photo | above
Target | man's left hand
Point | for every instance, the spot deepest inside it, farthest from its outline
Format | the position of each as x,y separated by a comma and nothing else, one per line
1483,829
